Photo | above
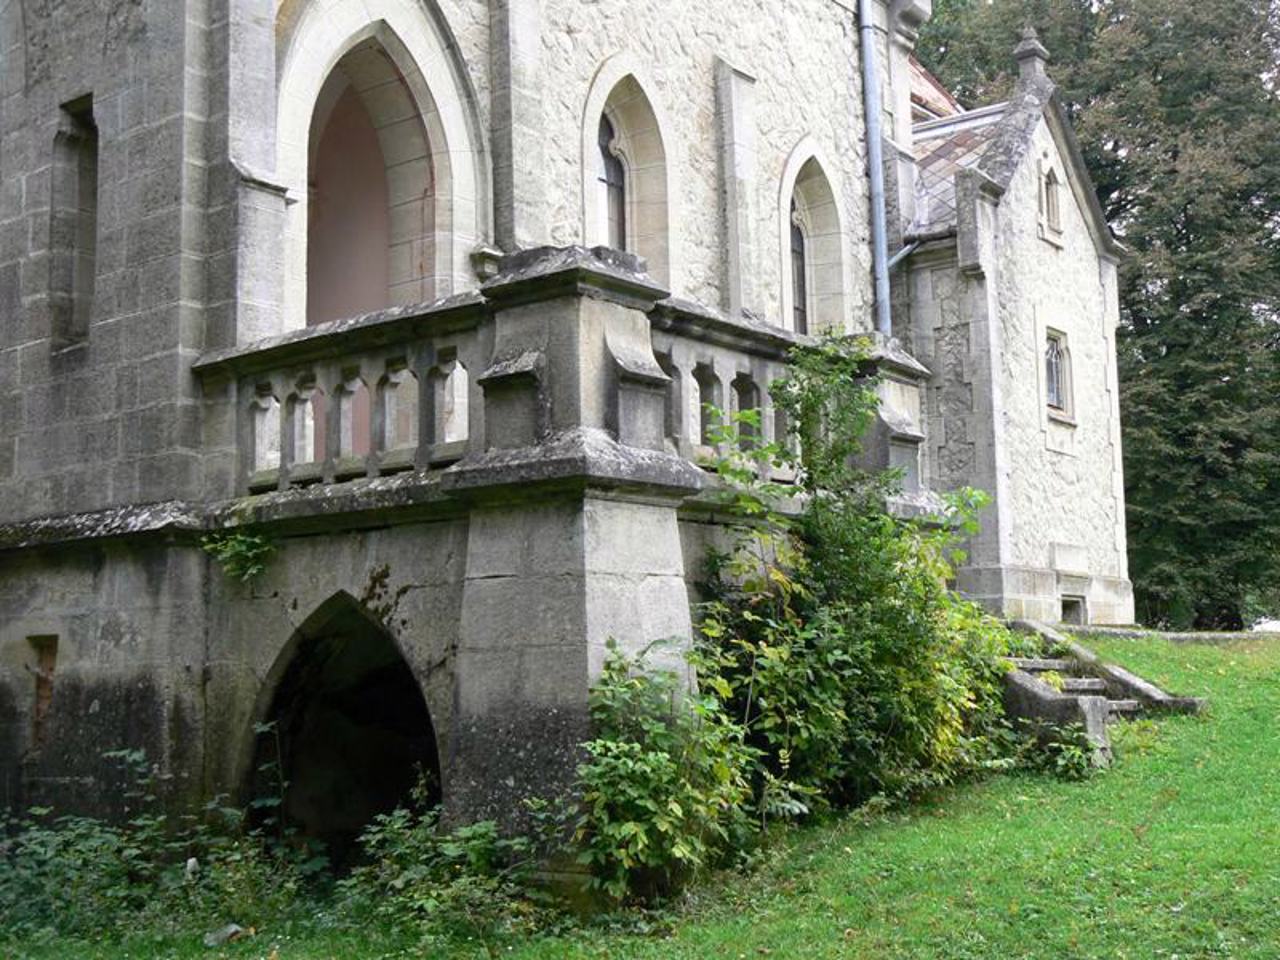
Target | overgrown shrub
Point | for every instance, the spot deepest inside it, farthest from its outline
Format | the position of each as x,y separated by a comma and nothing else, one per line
664,790
831,635
68,877
471,883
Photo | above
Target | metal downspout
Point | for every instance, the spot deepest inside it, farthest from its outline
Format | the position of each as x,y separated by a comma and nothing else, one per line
872,106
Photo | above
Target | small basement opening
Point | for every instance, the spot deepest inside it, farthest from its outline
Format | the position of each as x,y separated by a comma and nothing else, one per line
1074,611
348,736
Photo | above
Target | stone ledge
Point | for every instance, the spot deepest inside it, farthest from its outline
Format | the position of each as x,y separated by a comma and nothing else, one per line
695,321
582,455
339,338
543,273
173,516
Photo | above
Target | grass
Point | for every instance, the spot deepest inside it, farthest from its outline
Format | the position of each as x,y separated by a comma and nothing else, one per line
1175,852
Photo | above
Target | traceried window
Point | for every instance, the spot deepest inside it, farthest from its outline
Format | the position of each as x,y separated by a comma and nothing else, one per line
1057,373
799,275
611,176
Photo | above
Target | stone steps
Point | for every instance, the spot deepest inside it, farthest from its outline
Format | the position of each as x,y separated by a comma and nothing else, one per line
1084,685
1123,708
1086,691
1043,664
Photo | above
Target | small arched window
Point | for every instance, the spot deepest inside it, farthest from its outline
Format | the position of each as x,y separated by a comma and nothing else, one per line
611,176
1052,201
799,275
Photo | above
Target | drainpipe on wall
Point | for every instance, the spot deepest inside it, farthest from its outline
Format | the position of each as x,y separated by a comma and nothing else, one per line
872,106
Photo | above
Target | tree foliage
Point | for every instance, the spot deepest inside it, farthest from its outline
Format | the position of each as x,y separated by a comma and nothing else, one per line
1176,106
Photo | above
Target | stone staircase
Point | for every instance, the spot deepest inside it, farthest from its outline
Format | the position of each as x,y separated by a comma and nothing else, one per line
1075,685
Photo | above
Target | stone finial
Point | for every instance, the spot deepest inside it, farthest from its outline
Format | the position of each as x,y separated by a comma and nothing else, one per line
1031,54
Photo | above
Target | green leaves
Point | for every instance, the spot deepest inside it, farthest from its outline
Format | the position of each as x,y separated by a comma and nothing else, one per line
664,789
242,556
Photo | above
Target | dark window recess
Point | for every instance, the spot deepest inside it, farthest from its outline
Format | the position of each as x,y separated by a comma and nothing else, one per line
612,176
73,223
747,398
1074,611
46,657
799,275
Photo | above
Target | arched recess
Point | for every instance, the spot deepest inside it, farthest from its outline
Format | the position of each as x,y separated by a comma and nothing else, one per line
807,201
13,49
350,732
643,144
401,64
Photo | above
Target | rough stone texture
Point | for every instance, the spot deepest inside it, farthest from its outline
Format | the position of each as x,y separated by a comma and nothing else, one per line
803,57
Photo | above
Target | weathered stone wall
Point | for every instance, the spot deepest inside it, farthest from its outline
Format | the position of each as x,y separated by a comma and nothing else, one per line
129,672
803,56
1066,493
158,650
188,224
111,419
1056,527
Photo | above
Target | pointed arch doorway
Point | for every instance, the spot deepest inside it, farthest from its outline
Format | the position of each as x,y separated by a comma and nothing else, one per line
350,733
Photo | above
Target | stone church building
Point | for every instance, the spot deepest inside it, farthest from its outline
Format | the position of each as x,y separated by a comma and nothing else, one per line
431,293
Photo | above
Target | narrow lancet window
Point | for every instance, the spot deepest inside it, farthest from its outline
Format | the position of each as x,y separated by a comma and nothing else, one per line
1052,202
611,176
799,270
73,240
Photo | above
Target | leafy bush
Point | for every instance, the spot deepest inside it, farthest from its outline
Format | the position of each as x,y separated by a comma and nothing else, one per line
471,882
242,556
664,789
70,877
1064,751
831,635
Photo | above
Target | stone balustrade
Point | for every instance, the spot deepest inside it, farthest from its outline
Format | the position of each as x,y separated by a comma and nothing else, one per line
411,388
717,361
378,394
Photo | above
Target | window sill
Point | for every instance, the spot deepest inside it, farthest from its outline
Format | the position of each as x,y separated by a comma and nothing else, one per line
1049,235
1062,418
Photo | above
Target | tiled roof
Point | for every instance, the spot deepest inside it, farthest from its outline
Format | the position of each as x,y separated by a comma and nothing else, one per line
929,98
942,149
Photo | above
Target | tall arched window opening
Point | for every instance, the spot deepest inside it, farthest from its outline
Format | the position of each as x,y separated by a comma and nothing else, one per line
412,83
1052,201
799,275
370,191
612,178
625,179
813,252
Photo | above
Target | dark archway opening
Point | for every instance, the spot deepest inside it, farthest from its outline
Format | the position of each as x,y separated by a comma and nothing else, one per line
350,736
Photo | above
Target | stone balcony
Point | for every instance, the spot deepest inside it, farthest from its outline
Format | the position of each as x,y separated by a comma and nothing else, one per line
563,343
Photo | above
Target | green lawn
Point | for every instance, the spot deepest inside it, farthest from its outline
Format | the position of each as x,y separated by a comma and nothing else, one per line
1173,853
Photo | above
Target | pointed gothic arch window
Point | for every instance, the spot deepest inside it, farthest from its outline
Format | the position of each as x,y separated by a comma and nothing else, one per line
1052,201
813,253
624,170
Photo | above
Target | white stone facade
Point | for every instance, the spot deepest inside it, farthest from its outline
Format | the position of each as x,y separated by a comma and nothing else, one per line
1014,253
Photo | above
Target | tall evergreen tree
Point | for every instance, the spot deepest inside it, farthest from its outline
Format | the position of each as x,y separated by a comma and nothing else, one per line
1176,105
